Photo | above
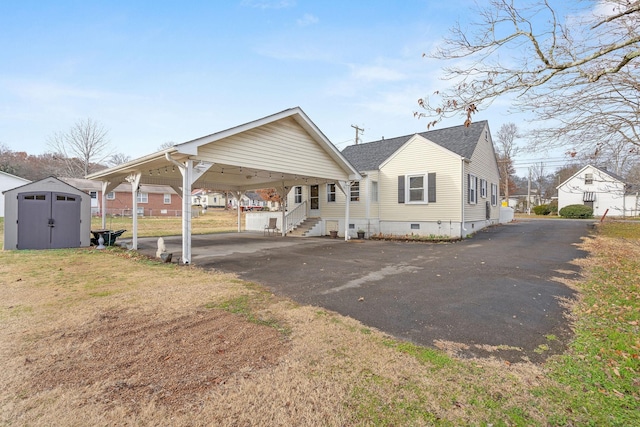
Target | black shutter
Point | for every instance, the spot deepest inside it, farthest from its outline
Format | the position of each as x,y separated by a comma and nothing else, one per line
468,188
432,187
401,189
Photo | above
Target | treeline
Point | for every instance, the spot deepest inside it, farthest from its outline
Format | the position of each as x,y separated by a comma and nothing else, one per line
39,166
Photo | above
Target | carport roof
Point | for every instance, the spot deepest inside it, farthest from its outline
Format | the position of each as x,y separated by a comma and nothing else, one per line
283,149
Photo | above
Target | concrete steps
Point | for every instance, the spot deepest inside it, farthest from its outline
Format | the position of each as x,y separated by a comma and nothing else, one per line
304,227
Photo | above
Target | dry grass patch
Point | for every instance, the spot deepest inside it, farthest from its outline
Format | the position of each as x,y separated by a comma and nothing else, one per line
111,338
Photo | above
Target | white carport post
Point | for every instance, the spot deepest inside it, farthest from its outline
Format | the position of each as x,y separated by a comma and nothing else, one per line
345,187
134,179
238,195
187,172
283,191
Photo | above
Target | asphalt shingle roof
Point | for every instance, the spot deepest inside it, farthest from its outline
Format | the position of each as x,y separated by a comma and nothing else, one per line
458,139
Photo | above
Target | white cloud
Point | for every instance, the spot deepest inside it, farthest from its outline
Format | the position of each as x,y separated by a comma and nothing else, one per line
307,19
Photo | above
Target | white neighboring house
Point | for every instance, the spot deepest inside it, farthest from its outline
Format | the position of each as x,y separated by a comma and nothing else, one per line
9,182
600,189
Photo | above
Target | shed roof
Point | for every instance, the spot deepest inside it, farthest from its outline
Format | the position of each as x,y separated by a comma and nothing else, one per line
460,140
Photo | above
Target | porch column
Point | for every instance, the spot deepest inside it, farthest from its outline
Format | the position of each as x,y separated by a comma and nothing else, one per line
134,179
283,191
187,173
238,195
345,186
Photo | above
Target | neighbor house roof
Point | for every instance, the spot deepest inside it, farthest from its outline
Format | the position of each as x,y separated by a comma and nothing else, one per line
458,139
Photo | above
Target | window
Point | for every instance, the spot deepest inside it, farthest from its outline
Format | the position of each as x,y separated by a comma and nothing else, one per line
494,194
111,195
167,198
420,188
588,178
93,194
297,194
314,200
331,192
472,185
143,197
374,191
416,188
483,188
355,191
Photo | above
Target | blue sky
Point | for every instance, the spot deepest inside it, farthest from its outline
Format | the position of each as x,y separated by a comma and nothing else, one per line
159,71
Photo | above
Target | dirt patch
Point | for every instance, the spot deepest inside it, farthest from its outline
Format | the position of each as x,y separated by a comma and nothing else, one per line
133,359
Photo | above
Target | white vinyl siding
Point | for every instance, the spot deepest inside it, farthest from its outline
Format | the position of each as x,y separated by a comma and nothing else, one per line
411,157
303,155
482,165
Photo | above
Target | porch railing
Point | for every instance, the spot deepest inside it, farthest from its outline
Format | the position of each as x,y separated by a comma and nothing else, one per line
295,216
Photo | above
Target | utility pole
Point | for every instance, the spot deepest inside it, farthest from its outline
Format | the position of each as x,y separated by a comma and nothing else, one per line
357,130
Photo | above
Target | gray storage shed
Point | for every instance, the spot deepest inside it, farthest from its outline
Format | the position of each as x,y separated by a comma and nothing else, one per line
46,214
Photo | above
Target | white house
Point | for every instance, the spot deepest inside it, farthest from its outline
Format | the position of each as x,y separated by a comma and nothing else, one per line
600,189
8,182
442,183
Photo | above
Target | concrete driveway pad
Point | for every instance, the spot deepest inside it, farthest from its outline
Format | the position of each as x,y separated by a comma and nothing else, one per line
498,294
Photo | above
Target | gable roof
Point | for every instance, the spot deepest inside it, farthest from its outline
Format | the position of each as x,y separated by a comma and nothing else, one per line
615,176
460,140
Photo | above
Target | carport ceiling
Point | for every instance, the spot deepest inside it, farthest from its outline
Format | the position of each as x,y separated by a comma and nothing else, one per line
284,149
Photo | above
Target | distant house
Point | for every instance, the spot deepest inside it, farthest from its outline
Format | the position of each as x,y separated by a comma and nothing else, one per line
443,182
8,182
153,200
600,189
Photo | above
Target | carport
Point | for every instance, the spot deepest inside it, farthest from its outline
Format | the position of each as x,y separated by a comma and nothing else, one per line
279,151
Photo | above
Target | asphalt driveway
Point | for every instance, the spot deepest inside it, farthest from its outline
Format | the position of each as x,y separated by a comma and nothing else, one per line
499,293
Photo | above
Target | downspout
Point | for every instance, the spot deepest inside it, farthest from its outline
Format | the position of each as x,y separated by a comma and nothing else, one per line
462,231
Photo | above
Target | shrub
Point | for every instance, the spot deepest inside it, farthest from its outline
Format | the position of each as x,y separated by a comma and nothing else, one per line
541,210
553,206
576,211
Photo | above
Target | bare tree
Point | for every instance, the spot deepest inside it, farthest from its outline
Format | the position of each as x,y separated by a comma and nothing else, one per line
83,147
538,175
506,148
118,159
557,67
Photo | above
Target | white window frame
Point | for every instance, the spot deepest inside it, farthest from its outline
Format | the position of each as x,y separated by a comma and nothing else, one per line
354,191
167,198
143,197
297,194
588,178
483,188
331,193
473,189
424,188
111,195
494,194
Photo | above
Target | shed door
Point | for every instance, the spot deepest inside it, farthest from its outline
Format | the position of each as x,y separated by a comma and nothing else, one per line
48,220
